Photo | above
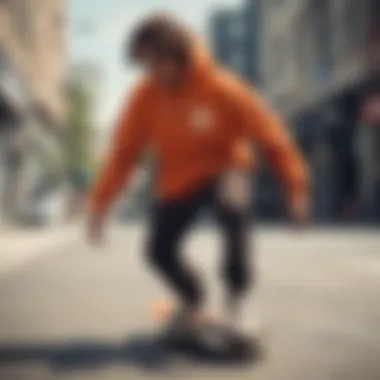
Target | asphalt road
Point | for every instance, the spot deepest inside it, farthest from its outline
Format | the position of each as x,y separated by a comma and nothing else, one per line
79,313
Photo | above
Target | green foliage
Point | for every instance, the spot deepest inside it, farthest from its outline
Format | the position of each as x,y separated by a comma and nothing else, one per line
79,135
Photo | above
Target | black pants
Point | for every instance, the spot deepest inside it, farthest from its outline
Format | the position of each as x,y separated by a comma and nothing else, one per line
172,220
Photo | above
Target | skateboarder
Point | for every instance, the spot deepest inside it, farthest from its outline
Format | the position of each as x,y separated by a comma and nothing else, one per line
195,115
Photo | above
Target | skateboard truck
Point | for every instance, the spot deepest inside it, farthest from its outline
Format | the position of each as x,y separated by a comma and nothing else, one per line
211,342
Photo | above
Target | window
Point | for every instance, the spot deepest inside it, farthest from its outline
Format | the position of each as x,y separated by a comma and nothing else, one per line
3,60
22,18
59,19
352,19
322,21
277,3
280,59
236,28
374,19
236,61
338,35
298,49
351,31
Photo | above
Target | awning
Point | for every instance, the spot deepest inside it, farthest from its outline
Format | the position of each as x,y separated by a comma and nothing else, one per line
13,98
10,116
43,115
48,145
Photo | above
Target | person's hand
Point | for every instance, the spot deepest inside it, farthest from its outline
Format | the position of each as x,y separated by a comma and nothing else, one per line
95,229
235,189
299,210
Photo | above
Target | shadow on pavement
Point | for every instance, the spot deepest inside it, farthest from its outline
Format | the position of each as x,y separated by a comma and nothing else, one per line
142,351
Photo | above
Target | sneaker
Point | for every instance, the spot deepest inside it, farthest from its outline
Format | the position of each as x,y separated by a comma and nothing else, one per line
186,321
240,322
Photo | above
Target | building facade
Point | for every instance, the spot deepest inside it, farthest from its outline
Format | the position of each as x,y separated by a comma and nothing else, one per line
320,69
235,39
32,109
318,63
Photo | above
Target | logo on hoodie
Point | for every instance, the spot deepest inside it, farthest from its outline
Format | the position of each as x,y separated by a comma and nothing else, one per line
201,118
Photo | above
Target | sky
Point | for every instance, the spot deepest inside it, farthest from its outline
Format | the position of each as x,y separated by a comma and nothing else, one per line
97,30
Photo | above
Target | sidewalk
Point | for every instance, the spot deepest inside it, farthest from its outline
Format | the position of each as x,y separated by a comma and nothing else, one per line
15,238
18,245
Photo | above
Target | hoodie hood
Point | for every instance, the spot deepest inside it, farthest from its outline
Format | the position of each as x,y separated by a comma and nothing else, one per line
201,62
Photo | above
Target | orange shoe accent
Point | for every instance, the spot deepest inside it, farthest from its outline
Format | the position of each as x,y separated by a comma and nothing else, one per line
161,310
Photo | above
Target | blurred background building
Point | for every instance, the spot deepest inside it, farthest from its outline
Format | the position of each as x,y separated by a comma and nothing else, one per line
317,62
32,65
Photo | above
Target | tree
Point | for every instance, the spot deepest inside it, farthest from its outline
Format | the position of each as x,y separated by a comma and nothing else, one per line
79,136
79,152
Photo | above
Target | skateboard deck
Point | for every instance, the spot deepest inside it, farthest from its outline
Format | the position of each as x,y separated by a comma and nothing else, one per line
211,340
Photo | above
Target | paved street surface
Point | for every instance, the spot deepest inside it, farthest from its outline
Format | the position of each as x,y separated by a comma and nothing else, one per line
71,312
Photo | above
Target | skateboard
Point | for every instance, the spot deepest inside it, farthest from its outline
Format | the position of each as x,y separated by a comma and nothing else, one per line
211,340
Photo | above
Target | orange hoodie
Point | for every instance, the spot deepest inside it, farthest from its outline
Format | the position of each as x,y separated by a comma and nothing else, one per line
193,132
242,156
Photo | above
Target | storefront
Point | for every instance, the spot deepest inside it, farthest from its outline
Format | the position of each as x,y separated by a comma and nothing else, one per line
369,155
28,152
12,108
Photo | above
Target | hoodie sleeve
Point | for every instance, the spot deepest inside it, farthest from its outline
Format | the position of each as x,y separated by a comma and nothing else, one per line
265,129
128,141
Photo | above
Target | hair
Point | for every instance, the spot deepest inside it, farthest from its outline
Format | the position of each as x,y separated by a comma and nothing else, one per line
163,36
